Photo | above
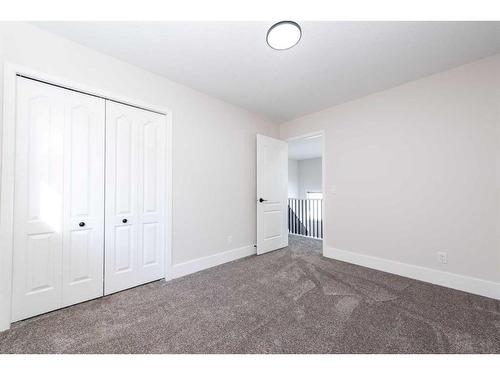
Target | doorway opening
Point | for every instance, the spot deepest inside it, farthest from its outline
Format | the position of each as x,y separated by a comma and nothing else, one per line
305,186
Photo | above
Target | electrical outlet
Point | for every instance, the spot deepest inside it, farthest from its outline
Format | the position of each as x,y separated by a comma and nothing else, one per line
229,240
442,257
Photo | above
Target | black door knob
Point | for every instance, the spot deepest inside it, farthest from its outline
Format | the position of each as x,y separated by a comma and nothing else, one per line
82,224
124,221
262,200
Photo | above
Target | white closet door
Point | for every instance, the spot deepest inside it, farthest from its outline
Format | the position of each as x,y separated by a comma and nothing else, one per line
53,258
83,239
135,197
38,199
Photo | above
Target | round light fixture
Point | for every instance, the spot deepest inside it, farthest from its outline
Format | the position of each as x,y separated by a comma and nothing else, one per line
284,35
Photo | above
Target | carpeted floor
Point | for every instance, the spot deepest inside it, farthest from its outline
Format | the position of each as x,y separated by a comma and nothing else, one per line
289,301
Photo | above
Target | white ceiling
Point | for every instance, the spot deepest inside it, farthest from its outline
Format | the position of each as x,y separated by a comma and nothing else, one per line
305,148
334,62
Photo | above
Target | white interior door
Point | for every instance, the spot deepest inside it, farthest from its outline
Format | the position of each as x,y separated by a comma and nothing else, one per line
135,197
59,135
272,194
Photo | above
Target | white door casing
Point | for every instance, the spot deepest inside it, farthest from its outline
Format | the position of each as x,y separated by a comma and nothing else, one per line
56,262
272,188
135,196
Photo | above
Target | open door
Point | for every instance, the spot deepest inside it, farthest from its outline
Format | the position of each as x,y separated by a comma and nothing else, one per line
272,194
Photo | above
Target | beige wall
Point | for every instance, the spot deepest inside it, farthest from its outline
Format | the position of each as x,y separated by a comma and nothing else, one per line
214,142
416,171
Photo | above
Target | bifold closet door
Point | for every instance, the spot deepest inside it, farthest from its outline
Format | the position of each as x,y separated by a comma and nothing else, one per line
135,197
58,200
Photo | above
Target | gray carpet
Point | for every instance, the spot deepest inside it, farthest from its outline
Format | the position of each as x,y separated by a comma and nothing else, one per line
289,301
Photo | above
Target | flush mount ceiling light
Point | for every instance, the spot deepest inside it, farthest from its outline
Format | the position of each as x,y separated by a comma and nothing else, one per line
284,35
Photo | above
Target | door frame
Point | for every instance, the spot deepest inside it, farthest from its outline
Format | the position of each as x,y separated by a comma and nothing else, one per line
321,133
11,71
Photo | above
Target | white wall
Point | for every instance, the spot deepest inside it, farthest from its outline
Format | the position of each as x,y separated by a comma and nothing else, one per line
416,171
293,178
309,176
303,176
213,142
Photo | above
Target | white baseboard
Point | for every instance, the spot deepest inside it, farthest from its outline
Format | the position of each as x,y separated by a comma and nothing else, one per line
200,264
450,280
